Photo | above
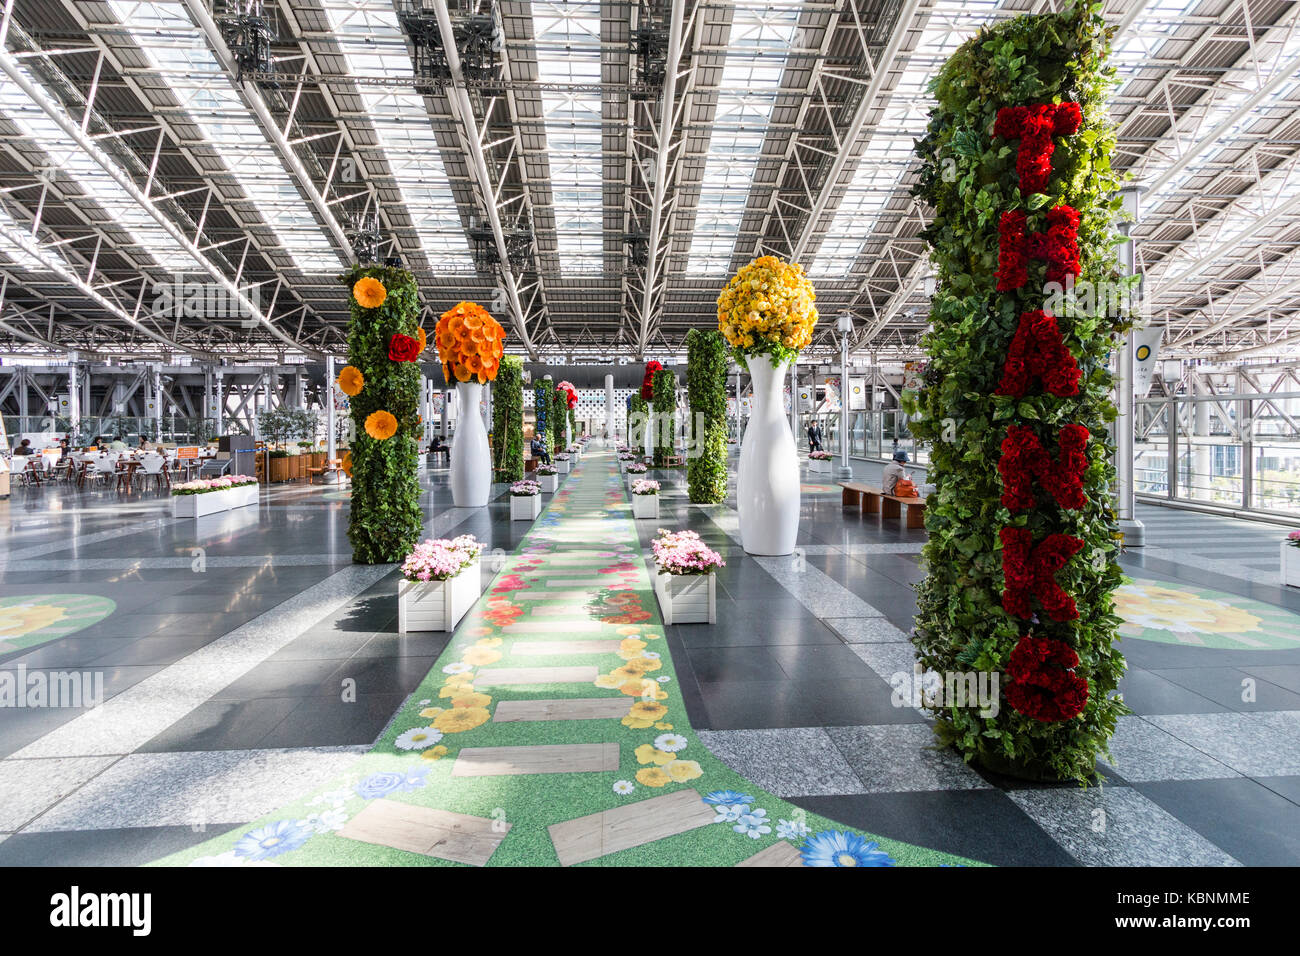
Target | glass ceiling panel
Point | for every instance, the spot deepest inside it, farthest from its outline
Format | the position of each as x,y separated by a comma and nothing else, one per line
568,51
170,40
71,160
751,77
373,45
16,254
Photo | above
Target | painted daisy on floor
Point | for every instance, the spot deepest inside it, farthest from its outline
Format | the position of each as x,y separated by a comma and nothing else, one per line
1192,616
839,848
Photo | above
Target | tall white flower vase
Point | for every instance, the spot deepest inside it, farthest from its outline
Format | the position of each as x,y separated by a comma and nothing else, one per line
767,488
471,462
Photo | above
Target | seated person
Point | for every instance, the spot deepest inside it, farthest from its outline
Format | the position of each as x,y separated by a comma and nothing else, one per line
538,450
24,448
894,471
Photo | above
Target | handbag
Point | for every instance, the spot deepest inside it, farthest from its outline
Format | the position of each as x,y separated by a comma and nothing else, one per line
904,488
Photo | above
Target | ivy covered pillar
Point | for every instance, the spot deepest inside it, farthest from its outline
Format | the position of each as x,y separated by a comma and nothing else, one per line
508,421
706,393
665,420
1021,553
382,382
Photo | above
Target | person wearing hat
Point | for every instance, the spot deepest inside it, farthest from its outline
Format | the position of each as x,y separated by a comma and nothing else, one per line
894,471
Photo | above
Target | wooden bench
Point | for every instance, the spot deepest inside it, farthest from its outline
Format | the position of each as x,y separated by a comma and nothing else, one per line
874,501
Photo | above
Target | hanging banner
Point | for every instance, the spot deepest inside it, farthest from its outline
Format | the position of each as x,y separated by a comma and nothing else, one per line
805,398
857,394
1146,349
831,401
746,404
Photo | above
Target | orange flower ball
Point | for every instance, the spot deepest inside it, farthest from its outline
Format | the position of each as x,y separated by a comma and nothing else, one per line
469,343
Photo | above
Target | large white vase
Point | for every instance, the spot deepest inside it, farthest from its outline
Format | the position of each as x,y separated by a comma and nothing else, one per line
649,434
471,462
767,488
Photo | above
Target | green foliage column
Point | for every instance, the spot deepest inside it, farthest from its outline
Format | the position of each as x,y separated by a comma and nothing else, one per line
508,421
973,419
559,416
543,393
386,521
665,406
706,390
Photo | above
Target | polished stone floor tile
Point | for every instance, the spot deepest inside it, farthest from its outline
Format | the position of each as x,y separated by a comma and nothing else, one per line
1117,826
330,721
31,787
789,762
756,705
1233,688
131,846
1257,745
223,725
1147,693
902,757
1262,829
1143,752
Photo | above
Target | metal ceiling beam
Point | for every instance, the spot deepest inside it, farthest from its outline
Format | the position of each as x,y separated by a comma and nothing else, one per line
458,98
199,13
880,70
10,66
663,153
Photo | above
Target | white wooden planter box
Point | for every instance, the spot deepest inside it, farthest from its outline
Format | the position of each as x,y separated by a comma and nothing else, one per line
622,467
562,467
1290,565
549,483
645,506
437,605
196,506
525,507
633,478
686,598
819,466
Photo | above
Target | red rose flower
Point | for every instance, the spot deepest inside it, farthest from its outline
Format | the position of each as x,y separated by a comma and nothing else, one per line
403,348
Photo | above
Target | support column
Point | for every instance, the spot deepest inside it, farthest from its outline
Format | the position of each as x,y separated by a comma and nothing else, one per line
846,329
1132,530
1201,457
446,412
330,423
155,382
74,403
219,401
610,430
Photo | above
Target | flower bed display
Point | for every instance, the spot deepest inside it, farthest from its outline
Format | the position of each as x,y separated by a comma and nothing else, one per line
441,580
1021,553
635,470
562,463
205,496
547,478
525,500
1291,560
645,498
684,581
819,462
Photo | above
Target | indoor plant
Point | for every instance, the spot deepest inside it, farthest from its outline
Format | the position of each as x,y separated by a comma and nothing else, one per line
645,498
562,463
204,496
440,582
819,462
706,392
766,314
525,500
684,582
547,477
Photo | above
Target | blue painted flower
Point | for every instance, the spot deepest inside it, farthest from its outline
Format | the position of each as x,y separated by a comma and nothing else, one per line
791,829
753,824
390,781
837,848
727,797
729,814
273,839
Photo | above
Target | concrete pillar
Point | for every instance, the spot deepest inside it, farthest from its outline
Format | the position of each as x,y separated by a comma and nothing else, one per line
1201,451
610,430
330,423
74,403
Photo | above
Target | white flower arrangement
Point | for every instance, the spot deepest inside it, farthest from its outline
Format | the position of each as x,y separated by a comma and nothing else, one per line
645,486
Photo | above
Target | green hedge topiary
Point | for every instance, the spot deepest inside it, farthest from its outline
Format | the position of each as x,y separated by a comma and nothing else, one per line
559,415
543,392
638,411
970,177
386,521
508,421
706,389
665,404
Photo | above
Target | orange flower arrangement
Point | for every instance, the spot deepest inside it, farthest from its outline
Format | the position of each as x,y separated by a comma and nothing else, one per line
351,381
469,343
369,292
346,464
424,339
381,425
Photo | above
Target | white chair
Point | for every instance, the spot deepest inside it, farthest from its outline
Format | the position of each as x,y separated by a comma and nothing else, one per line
156,465
104,468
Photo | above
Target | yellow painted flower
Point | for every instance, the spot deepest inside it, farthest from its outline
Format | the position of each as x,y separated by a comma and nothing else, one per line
630,647
648,753
20,619
645,710
430,712
683,770
489,642
653,777
635,687
455,690
351,381
460,719
381,425
663,725
478,656
471,700
1170,609
369,292
636,723
608,682
628,629
434,753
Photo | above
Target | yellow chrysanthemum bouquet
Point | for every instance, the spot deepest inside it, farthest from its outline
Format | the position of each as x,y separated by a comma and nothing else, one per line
768,309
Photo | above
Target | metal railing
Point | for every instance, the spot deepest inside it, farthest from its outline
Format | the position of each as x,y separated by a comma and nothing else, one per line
129,429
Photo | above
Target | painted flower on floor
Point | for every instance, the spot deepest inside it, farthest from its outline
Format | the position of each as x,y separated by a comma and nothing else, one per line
273,839
434,753
841,848
417,738
457,720
478,656
20,619
458,667
327,821
229,858
623,787
653,777
648,753
1174,609
753,824
383,783
683,770
726,798
643,714
791,829
671,742
729,813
